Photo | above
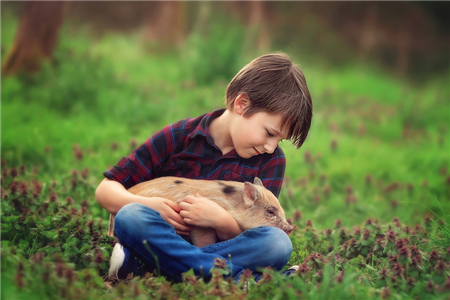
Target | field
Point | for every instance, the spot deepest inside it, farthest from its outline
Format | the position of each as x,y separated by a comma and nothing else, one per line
368,192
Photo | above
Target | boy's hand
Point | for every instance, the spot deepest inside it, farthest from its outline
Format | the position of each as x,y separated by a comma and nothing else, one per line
169,210
200,211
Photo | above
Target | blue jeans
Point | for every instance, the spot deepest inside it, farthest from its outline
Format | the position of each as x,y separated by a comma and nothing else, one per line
255,248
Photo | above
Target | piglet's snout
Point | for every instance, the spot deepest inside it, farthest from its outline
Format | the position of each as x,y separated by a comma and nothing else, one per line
288,229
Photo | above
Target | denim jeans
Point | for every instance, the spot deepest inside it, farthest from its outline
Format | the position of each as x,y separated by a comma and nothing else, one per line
255,248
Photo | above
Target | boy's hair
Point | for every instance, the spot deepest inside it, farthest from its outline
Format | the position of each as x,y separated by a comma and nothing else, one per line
275,85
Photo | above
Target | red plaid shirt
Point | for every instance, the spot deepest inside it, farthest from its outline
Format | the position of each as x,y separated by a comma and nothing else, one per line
186,149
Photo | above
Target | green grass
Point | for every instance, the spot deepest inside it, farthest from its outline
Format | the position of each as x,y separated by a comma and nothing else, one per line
115,89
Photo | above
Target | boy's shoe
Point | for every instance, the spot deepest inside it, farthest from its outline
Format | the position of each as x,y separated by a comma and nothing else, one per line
123,264
290,271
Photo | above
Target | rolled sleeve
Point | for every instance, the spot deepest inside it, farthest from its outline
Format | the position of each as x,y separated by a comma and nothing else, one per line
145,161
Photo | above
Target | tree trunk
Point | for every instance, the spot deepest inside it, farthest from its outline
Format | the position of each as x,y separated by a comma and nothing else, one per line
166,23
258,19
368,32
36,36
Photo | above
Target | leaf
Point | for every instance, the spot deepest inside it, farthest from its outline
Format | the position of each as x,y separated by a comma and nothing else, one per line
23,244
10,219
74,241
190,272
365,243
439,279
52,250
371,268
380,283
370,227
349,253
309,235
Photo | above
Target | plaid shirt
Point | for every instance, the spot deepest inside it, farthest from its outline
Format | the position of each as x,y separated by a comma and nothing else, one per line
186,149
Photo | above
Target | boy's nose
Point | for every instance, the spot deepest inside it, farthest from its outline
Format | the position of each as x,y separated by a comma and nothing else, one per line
270,147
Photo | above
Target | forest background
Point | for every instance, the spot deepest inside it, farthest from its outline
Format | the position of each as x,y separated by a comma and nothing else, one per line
83,83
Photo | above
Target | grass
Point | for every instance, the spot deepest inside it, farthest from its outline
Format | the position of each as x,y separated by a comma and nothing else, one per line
377,149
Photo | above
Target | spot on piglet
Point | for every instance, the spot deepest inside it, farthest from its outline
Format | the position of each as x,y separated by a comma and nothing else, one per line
228,190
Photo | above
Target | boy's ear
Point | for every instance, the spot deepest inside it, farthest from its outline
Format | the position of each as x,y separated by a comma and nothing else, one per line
250,194
241,102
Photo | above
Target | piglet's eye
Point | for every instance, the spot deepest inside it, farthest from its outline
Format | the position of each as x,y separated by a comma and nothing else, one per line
270,211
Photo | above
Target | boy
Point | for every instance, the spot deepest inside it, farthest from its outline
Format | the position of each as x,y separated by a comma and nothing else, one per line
266,102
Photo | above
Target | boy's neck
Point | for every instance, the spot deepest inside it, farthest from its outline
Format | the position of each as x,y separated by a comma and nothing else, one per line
220,131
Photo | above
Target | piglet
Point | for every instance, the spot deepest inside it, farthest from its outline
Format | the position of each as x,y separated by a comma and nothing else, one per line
250,204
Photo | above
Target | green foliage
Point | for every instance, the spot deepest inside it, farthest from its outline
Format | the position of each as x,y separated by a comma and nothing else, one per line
53,249
376,154
215,53
49,222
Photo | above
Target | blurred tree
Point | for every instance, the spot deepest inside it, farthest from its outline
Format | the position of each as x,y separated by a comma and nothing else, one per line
439,11
258,19
257,16
165,22
36,36
204,11
368,31
413,21
409,38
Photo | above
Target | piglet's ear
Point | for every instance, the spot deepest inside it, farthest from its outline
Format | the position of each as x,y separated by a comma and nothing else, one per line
258,181
250,194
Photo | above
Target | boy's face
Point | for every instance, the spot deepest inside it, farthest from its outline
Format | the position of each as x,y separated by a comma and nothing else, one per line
260,133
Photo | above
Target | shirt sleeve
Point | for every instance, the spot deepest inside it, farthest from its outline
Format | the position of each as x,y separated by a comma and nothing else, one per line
272,171
145,161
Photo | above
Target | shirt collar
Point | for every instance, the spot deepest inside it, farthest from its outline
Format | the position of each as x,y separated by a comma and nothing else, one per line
202,129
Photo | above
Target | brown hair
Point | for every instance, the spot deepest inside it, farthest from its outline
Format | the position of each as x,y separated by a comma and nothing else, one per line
275,85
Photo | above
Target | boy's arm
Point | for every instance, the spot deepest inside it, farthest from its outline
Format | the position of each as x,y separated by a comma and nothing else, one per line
146,161
112,196
200,211
227,228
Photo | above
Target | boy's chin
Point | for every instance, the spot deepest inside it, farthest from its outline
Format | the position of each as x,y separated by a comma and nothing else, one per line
246,154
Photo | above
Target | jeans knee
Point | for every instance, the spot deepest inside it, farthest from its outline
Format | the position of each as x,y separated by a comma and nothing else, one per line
134,219
127,214
278,247
133,216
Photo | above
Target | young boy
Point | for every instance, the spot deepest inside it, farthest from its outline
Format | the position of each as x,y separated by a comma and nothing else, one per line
266,102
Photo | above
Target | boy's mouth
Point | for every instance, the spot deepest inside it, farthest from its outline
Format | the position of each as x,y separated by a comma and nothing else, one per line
257,152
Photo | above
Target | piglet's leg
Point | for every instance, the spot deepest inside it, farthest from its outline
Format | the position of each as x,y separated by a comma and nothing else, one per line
202,237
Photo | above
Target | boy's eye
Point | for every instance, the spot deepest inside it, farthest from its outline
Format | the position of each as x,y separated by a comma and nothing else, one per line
269,134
